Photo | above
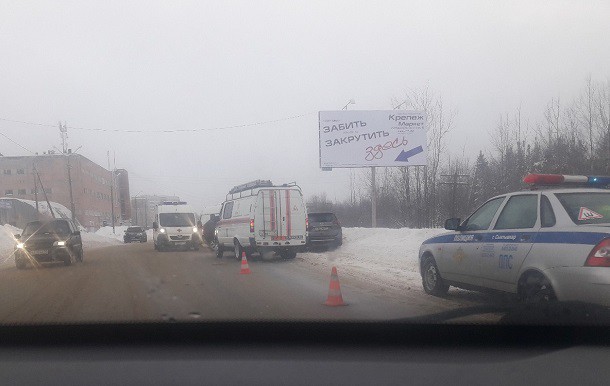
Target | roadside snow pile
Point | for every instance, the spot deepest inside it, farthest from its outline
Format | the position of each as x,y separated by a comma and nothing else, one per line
59,210
119,232
93,240
388,257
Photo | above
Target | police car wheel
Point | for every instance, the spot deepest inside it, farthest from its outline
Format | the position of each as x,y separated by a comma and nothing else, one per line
431,279
536,288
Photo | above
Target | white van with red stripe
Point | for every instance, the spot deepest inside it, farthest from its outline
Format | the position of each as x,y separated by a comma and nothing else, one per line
262,217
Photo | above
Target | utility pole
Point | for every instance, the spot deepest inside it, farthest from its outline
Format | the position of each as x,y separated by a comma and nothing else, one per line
63,132
72,208
44,193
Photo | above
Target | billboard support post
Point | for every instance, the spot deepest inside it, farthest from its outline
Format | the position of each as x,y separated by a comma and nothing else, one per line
373,199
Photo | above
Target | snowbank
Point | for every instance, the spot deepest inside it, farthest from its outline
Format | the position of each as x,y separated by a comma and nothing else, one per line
119,232
59,210
388,257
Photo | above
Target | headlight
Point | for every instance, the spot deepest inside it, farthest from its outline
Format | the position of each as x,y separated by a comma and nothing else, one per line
161,230
60,243
20,245
195,230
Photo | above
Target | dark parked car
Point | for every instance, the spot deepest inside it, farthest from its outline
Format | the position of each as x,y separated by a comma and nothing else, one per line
48,241
324,230
135,234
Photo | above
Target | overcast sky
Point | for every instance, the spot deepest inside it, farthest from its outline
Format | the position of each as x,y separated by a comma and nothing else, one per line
118,65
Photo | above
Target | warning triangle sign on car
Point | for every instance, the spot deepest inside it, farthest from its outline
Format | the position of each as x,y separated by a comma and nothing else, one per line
588,214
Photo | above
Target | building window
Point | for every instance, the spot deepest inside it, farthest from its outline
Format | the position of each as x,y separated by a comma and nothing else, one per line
20,171
7,171
22,192
8,192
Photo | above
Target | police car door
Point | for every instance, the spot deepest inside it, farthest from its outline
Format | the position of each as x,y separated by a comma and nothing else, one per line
511,240
460,256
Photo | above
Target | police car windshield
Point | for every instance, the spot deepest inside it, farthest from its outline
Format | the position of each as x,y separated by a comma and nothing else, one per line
177,219
587,208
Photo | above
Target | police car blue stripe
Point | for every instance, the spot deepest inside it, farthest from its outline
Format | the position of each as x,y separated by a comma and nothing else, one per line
591,238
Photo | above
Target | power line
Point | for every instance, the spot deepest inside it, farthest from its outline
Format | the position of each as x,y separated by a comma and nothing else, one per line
16,143
164,131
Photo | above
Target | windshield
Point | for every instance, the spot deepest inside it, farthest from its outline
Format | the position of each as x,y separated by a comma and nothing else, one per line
177,219
332,141
587,208
60,228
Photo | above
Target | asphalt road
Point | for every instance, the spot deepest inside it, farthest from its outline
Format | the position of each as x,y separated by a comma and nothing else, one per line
135,283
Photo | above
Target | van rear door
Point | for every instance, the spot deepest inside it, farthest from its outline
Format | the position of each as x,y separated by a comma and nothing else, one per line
283,216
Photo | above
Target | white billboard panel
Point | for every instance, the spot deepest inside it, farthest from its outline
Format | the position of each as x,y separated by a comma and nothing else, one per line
352,139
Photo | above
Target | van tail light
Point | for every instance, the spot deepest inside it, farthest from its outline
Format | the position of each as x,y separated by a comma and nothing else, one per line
600,255
252,225
307,224
337,223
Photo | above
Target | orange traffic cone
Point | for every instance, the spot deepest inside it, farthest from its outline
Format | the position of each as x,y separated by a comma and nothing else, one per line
245,268
334,291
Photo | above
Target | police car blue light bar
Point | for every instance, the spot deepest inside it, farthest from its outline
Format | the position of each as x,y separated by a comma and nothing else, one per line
558,179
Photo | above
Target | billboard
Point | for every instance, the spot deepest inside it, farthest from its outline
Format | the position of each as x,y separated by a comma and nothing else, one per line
353,139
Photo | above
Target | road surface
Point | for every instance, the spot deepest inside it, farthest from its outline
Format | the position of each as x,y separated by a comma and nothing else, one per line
135,283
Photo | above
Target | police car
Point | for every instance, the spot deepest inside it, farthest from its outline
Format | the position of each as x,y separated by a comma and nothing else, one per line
549,243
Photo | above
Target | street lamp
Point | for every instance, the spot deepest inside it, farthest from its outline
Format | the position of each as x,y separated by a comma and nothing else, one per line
397,107
350,102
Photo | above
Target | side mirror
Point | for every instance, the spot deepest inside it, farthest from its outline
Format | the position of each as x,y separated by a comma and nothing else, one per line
155,225
17,237
77,233
452,224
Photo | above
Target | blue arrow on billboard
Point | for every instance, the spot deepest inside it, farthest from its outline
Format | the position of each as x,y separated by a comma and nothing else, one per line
405,155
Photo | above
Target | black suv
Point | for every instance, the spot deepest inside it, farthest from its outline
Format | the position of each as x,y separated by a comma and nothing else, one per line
48,241
324,230
135,234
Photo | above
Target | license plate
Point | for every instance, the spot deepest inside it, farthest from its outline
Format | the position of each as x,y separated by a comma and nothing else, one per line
322,228
180,242
40,252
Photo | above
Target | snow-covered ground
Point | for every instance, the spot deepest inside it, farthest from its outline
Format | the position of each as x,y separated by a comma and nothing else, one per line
387,257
